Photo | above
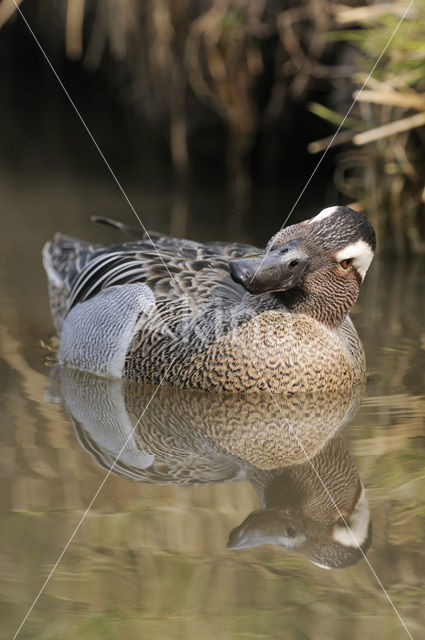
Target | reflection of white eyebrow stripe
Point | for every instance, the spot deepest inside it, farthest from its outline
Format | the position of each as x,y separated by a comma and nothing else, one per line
358,522
325,213
321,566
360,252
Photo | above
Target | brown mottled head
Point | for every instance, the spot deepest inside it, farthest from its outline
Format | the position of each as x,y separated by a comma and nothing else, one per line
315,267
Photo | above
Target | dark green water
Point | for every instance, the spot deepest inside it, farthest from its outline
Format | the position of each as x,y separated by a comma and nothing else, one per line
150,559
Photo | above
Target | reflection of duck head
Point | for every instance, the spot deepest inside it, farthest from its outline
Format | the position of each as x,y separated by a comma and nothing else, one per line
187,437
305,508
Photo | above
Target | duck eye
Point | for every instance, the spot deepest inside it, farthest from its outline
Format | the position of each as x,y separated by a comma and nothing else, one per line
293,264
346,263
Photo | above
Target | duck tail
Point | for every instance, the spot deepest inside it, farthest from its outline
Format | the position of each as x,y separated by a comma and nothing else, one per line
134,232
63,257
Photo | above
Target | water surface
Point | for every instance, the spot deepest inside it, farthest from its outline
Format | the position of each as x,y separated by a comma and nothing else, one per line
150,559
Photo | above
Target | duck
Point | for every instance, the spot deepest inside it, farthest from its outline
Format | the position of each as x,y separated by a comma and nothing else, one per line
215,316
294,456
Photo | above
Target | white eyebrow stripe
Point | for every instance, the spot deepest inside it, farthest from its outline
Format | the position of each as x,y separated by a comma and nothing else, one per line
325,213
360,252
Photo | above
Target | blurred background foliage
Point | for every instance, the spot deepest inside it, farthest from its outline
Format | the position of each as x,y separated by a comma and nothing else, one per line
383,166
241,93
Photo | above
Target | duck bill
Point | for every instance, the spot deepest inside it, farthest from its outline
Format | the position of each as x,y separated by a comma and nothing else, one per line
276,270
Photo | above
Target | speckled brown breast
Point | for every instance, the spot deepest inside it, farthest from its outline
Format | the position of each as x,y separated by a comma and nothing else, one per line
273,351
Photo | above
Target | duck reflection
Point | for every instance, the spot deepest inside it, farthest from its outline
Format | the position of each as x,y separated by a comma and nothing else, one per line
305,507
291,451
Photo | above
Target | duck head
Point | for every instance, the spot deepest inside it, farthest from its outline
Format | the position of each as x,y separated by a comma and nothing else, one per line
315,267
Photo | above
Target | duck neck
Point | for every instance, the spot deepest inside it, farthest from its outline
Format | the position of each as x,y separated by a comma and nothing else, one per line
265,302
330,311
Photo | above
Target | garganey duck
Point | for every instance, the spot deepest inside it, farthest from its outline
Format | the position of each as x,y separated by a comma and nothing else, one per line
216,316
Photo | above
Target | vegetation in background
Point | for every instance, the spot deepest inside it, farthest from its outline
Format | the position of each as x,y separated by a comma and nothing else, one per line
199,73
187,65
383,167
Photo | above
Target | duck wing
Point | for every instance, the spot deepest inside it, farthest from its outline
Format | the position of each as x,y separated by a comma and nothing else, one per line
171,267
229,249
